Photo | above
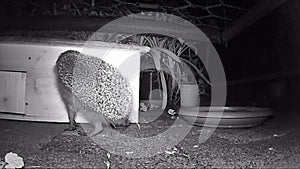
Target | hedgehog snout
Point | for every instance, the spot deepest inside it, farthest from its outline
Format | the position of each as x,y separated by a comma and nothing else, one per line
120,123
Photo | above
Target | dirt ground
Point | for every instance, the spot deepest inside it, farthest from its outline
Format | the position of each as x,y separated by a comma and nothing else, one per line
42,145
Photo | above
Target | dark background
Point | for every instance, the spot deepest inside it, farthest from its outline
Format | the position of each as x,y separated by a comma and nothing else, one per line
261,63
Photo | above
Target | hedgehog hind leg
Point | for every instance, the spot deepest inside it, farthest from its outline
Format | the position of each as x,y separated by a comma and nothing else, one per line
70,103
98,128
73,108
97,120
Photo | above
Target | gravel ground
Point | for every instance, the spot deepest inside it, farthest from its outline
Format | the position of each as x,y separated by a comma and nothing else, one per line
272,145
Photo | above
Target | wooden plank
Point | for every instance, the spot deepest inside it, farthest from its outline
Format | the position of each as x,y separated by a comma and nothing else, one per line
54,23
173,27
37,59
27,56
10,116
12,92
261,9
150,24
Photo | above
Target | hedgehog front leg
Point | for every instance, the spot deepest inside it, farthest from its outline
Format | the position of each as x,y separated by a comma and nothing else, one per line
72,109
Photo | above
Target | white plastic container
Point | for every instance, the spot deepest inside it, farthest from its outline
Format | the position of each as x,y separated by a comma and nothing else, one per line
189,96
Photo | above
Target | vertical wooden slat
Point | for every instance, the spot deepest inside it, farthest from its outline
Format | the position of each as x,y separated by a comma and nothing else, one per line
12,92
261,9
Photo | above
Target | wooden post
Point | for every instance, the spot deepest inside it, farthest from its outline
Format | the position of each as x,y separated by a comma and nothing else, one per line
261,9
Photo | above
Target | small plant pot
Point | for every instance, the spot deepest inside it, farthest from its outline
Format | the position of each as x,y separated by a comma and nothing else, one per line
189,96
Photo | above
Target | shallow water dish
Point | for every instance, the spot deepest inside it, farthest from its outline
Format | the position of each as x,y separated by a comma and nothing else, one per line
232,117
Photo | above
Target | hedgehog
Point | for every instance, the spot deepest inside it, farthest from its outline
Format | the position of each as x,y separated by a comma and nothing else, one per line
95,88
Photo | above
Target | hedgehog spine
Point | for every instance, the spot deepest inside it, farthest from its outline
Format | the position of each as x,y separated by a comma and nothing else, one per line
90,86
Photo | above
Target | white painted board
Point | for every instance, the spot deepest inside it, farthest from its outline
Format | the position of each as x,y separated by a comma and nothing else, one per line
37,59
